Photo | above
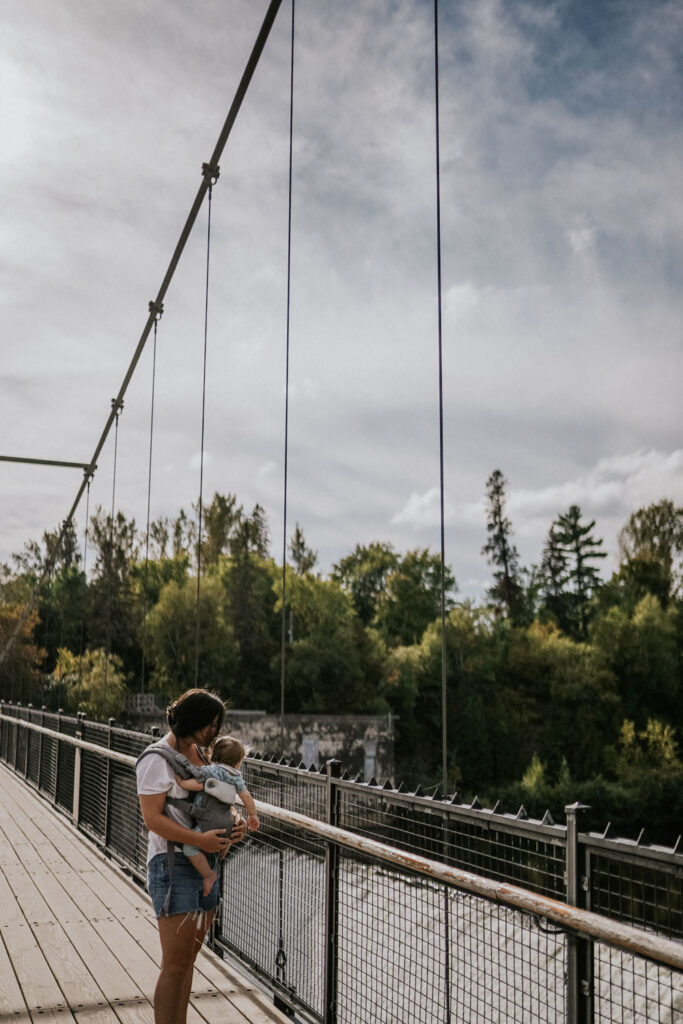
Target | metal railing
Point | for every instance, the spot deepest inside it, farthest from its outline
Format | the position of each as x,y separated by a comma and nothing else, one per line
377,906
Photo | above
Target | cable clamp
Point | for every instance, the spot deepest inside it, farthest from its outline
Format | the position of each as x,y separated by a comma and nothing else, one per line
117,405
156,309
211,173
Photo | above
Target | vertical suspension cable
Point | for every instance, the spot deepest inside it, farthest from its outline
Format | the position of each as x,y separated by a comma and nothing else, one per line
286,452
157,313
85,574
201,453
117,413
444,674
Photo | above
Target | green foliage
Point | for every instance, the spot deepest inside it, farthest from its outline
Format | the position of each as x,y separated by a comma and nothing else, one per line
172,639
506,593
333,665
93,682
20,678
303,557
571,578
364,574
643,652
655,534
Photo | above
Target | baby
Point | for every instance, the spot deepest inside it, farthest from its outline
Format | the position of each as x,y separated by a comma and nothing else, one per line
226,760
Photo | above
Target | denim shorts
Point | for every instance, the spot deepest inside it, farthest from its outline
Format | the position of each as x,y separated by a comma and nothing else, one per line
186,885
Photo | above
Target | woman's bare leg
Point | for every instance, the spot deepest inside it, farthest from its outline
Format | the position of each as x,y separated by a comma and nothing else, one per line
181,938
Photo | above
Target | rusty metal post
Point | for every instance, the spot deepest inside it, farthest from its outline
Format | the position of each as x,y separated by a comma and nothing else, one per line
579,950
107,786
76,806
331,898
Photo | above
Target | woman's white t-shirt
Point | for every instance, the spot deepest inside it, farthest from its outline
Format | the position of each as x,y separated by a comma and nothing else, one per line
155,775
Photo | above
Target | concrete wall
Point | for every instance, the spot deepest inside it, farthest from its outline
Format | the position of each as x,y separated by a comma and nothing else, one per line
363,743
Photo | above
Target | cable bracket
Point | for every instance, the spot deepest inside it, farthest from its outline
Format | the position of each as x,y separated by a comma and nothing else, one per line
117,405
156,309
211,173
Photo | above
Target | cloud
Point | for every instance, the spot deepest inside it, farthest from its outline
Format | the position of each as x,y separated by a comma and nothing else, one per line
422,510
616,486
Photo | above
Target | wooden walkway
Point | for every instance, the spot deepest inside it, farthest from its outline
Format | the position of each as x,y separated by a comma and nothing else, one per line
78,941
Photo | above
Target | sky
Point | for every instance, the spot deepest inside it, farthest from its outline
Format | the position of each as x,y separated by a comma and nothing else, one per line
561,186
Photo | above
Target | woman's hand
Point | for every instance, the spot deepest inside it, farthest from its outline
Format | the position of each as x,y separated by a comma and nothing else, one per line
214,841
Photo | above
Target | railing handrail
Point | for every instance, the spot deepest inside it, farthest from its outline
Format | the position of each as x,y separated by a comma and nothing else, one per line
583,922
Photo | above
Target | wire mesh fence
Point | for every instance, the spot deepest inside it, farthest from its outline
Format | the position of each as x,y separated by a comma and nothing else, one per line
342,936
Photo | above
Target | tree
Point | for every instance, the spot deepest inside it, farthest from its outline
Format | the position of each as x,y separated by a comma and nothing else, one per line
333,664
506,593
303,557
363,575
655,534
92,682
642,650
20,677
172,639
411,598
568,554
220,519
113,614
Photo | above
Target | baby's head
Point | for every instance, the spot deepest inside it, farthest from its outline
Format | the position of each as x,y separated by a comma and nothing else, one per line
228,750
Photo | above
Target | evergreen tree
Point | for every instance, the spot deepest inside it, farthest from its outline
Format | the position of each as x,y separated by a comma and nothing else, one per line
571,548
303,557
506,593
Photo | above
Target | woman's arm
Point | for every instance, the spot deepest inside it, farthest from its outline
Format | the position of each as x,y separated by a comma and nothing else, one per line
152,807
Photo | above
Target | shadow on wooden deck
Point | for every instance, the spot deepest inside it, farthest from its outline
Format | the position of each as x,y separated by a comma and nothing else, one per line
78,941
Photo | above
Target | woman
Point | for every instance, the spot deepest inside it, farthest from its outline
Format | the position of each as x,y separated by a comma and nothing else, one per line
194,720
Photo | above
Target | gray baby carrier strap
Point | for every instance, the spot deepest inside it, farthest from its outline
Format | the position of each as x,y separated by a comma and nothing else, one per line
212,812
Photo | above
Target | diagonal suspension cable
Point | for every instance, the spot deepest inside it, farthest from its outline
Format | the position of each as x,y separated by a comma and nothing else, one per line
240,93
289,282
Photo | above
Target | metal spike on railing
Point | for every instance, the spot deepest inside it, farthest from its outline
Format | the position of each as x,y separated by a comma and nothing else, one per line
641,837
402,788
357,778
547,819
437,794
455,799
475,805
609,831
494,809
301,765
373,781
388,784
419,791
522,814
321,771
344,776
677,844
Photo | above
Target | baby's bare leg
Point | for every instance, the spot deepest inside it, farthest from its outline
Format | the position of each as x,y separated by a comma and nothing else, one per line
201,866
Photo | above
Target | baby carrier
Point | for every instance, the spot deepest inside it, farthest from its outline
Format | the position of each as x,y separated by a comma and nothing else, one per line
210,808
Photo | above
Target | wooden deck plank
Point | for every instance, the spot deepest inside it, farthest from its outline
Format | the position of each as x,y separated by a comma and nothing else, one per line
12,1001
38,984
82,936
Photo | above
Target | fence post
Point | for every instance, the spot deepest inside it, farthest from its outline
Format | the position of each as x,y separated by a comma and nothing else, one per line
76,807
41,743
107,801
331,897
28,741
60,712
579,950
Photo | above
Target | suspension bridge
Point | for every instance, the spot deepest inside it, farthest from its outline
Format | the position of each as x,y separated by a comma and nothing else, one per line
341,919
